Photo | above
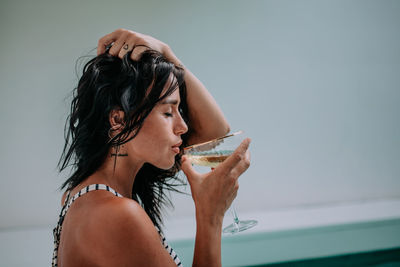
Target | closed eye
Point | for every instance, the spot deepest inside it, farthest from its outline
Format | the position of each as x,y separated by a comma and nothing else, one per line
167,114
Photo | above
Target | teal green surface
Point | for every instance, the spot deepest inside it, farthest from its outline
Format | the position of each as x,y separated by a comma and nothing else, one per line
385,258
252,249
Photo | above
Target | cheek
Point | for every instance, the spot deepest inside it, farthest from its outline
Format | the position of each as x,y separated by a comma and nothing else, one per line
151,144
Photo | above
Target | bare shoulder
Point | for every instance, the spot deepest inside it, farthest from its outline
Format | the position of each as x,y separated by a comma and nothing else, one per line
126,213
124,230
122,216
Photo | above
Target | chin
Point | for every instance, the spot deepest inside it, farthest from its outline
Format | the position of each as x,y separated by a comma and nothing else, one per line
166,165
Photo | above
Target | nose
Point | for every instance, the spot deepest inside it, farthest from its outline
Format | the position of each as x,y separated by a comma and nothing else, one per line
180,126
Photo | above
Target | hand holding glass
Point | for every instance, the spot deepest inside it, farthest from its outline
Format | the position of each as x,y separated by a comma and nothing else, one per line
211,154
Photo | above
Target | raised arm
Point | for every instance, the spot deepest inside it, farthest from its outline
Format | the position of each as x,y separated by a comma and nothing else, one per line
207,120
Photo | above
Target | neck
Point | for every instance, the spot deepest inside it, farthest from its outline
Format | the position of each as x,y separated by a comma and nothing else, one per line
118,172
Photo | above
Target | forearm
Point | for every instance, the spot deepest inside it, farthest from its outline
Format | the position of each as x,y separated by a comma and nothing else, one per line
206,117
207,120
207,250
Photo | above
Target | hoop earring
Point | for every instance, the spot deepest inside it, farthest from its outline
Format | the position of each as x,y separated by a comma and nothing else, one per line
109,135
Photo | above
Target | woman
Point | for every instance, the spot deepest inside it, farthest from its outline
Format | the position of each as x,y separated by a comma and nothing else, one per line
134,110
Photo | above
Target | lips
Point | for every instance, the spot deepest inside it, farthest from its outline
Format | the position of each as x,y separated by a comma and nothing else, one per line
176,148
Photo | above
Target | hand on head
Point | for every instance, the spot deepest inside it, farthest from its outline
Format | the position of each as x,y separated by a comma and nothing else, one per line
123,41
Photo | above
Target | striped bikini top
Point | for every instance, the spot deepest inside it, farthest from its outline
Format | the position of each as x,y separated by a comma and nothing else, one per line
68,202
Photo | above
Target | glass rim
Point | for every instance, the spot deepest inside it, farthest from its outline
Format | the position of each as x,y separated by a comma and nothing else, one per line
213,140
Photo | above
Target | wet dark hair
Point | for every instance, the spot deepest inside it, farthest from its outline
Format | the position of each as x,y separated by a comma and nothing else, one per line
135,87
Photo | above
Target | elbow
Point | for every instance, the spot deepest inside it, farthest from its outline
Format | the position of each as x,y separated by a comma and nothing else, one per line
227,128
207,133
222,130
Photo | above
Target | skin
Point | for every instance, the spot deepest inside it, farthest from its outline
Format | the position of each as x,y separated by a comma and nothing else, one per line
103,230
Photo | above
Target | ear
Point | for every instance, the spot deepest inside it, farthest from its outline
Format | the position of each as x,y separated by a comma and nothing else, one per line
116,118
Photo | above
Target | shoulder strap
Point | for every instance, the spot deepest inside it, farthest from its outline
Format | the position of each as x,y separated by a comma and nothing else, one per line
67,197
169,249
87,189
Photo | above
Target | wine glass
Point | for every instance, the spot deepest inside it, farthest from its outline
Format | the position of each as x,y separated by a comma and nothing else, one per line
212,153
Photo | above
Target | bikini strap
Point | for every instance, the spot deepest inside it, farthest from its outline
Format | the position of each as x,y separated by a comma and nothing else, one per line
87,189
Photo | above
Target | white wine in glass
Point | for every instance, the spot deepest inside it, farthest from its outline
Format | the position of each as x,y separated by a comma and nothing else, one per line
212,153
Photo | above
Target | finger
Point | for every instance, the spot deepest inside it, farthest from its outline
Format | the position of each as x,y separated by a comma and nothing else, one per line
106,40
125,49
235,189
233,194
188,169
119,42
129,44
237,155
138,50
242,166
116,47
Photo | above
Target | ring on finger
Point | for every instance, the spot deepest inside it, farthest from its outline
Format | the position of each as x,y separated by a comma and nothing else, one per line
126,47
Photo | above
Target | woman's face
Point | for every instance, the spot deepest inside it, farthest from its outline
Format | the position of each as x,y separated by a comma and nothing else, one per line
159,138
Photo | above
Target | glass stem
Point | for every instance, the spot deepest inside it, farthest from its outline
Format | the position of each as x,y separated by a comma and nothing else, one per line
234,214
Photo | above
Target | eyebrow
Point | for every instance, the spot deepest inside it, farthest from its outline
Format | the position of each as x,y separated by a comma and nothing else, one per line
170,102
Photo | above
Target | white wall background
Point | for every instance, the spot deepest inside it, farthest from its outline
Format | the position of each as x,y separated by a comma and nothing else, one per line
315,84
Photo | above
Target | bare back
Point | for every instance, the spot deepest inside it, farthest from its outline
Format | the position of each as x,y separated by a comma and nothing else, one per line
95,229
